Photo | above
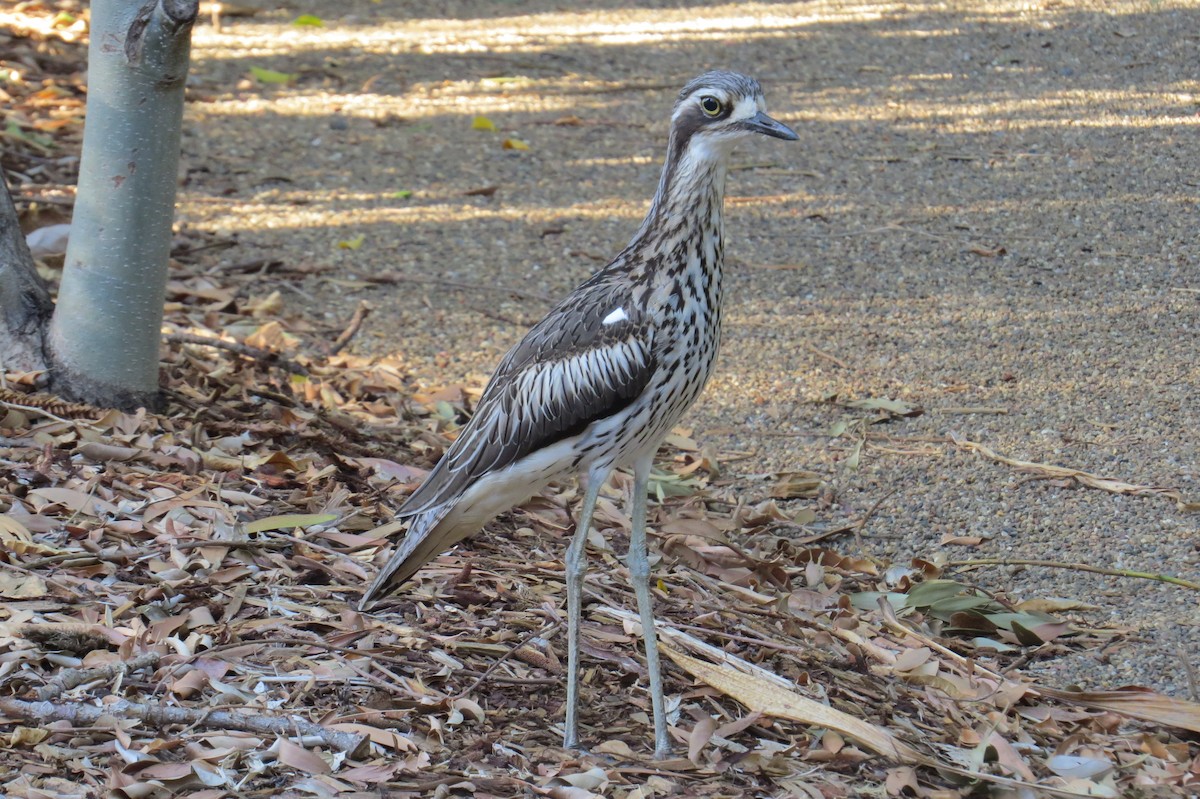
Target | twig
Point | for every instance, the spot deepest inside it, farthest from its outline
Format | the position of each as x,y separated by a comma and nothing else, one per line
83,715
1190,670
827,356
888,615
1047,471
360,314
70,678
499,317
396,277
862,523
1083,567
246,350
259,265
542,632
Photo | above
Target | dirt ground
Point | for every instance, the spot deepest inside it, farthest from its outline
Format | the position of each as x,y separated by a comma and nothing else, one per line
959,356
990,214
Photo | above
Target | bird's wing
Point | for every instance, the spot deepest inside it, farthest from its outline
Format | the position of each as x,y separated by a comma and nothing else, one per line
587,359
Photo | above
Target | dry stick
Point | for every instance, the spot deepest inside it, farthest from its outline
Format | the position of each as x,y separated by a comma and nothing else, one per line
395,277
70,678
544,631
895,625
356,321
1043,471
1190,671
241,349
862,523
81,715
827,356
1083,567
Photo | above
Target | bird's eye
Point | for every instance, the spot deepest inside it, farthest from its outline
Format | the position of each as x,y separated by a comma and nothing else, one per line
710,105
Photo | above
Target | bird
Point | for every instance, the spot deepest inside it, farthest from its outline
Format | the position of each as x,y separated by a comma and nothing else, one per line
599,382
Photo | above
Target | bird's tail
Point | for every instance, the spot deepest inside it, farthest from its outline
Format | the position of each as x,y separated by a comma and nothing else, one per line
429,533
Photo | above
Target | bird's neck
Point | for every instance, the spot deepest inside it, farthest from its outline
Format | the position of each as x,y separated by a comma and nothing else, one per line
686,209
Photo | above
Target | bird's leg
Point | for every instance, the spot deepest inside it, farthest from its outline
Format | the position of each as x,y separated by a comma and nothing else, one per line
639,573
576,567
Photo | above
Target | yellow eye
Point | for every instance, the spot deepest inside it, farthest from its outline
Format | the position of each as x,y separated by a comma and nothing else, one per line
710,105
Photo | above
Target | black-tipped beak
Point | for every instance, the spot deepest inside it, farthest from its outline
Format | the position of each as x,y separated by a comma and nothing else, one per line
761,123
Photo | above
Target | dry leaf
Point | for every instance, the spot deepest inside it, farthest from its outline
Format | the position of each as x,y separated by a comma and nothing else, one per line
300,758
773,700
1137,703
21,586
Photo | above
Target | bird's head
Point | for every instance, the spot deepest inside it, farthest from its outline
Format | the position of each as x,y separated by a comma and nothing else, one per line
718,109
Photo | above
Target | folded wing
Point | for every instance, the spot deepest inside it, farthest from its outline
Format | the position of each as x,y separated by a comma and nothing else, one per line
587,360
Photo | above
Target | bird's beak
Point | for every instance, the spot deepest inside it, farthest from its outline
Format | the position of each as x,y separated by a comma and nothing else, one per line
761,123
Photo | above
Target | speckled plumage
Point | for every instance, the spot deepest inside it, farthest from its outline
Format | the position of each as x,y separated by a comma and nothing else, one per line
610,370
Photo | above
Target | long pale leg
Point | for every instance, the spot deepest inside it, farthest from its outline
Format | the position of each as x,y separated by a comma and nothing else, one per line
576,567
639,573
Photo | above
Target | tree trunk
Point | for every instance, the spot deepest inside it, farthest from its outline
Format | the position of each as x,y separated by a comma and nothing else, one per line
104,338
24,301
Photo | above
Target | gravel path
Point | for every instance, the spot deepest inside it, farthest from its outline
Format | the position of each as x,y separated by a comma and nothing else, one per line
991,205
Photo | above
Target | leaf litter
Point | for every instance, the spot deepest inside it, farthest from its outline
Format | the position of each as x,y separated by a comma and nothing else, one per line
179,614
179,606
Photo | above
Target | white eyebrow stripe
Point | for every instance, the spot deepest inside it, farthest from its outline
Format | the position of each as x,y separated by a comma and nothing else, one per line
617,315
745,108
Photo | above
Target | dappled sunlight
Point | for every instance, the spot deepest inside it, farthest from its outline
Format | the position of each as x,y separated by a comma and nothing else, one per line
537,32
958,317
969,112
370,106
373,209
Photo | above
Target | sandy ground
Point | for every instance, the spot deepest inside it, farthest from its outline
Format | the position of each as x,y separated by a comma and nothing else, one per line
990,206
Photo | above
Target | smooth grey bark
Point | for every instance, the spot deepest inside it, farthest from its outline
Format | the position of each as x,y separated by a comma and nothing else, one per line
104,338
24,300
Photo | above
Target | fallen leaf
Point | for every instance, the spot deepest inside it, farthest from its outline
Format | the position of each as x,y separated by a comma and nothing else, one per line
701,734
289,520
1137,703
888,406
771,699
1079,767
962,540
371,774
308,21
352,244
616,747
482,123
300,758
514,144
27,736
987,253
792,485
78,501
271,76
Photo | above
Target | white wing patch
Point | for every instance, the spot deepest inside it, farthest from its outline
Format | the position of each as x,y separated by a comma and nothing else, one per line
617,315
